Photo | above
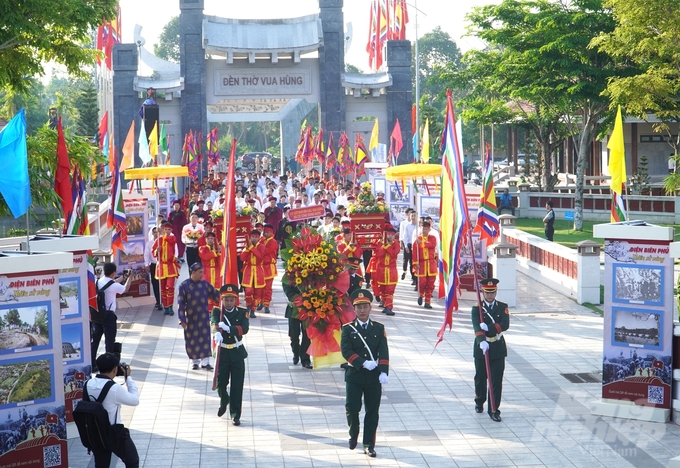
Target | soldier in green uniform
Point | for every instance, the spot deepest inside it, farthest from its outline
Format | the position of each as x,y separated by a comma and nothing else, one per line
299,342
489,339
230,323
364,345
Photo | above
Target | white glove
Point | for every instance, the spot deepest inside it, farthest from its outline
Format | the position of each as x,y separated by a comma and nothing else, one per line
484,326
218,338
484,346
370,365
223,326
383,378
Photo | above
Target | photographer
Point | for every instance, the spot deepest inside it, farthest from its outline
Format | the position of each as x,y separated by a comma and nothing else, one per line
109,366
109,325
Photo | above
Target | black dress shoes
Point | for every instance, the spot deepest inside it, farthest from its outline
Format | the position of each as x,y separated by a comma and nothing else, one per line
260,306
307,365
495,416
352,444
427,305
236,422
296,360
403,275
370,452
207,367
221,411
420,301
479,409
195,367
252,314
387,311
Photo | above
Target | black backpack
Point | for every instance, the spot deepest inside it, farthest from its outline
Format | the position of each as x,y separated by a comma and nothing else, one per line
92,419
99,314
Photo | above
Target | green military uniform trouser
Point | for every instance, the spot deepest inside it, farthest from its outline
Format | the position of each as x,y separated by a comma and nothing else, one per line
371,393
236,372
497,367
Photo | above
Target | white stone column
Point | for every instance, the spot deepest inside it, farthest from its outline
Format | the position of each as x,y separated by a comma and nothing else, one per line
505,270
588,272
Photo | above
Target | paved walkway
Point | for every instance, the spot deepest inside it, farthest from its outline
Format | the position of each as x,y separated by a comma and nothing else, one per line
294,417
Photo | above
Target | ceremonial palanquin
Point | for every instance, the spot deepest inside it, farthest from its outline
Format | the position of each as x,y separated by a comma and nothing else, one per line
314,265
368,218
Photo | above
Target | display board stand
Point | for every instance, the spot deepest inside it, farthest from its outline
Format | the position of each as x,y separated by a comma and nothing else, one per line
638,322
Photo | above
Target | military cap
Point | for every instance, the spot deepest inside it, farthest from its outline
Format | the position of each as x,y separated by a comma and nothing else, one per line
361,296
229,290
489,284
354,262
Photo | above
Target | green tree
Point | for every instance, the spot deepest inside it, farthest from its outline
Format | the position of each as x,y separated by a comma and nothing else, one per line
168,42
2,323
85,101
35,32
349,68
41,322
436,50
13,318
541,56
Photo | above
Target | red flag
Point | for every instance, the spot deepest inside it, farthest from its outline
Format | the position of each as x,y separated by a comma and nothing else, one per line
62,183
396,144
657,364
51,418
229,267
80,376
103,130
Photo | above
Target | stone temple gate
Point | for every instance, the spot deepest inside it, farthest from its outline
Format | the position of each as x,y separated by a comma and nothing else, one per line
262,70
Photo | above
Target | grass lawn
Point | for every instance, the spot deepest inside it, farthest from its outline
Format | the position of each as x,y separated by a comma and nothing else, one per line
564,230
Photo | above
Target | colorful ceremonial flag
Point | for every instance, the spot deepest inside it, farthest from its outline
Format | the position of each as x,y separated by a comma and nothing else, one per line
108,34
116,218
164,146
361,156
104,134
401,19
319,147
373,142
14,184
91,287
617,169
77,222
331,156
62,179
144,153
230,267
396,144
153,142
128,159
192,157
425,152
454,219
487,214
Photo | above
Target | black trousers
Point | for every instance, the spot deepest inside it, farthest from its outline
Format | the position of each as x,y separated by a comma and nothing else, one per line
299,347
154,283
126,451
368,254
371,394
236,372
549,231
192,255
108,329
497,367
408,260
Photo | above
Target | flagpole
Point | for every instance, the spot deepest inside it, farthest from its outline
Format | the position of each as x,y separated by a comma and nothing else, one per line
480,308
28,234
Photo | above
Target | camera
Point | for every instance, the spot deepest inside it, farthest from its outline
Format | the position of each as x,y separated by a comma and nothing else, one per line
122,370
127,272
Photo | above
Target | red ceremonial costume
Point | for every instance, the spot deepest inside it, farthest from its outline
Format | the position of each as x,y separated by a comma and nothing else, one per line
425,264
371,269
350,250
167,268
385,256
271,252
253,273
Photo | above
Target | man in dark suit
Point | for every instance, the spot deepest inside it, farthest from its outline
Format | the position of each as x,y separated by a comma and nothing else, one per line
364,345
299,341
230,323
355,279
489,340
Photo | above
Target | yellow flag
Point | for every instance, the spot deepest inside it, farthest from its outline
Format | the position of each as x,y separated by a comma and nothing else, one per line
128,160
425,152
153,141
373,143
617,156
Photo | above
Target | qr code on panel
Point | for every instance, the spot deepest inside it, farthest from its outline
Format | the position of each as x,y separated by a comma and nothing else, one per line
52,456
143,290
655,395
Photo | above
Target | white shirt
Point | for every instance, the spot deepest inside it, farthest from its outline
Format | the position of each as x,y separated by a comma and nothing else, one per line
189,228
148,256
111,292
406,232
117,396
341,200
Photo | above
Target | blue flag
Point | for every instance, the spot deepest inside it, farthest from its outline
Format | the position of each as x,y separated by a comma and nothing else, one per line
14,185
